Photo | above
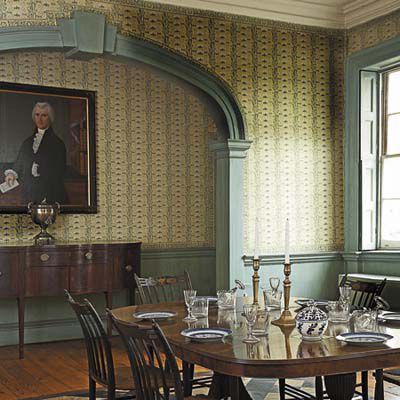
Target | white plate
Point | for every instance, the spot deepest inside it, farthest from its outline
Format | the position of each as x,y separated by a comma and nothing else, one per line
154,314
364,338
206,334
389,317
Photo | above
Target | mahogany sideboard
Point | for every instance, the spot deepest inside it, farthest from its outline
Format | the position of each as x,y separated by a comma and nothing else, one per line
82,268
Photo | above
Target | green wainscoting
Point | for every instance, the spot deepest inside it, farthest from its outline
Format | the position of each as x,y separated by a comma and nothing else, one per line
313,275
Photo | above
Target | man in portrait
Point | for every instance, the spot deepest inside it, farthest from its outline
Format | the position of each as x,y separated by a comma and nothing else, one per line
40,166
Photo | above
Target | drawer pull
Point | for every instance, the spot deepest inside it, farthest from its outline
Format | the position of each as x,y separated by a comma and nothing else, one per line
44,257
89,255
1,274
128,268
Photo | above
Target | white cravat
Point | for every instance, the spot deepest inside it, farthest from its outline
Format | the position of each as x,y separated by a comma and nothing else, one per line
37,140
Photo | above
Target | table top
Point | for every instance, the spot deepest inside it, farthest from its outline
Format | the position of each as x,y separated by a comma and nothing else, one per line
280,354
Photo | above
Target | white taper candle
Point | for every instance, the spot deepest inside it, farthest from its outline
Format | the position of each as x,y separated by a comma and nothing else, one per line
287,257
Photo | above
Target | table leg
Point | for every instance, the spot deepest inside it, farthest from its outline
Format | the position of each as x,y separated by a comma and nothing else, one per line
340,387
224,386
379,393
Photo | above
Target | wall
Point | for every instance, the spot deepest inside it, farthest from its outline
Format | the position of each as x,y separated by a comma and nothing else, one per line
289,81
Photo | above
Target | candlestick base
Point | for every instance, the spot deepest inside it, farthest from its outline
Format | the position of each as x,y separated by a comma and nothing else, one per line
286,319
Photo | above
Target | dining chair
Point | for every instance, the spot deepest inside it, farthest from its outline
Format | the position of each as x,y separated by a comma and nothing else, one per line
166,288
99,353
363,296
153,363
363,292
161,289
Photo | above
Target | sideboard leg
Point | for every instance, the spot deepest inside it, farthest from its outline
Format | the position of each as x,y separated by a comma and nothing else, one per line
21,325
379,392
340,387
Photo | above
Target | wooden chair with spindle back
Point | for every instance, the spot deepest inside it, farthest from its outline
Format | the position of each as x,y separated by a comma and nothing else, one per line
167,288
363,292
154,367
161,289
99,353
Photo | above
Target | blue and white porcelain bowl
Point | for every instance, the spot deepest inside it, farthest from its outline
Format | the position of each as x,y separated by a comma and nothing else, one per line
311,322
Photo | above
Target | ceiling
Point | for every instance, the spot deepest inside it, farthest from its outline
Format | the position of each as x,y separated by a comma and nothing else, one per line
324,13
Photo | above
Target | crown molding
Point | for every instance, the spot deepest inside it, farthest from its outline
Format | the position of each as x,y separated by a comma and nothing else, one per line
303,12
337,14
357,12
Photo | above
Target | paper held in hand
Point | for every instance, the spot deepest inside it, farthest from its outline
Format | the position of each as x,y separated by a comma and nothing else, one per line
5,187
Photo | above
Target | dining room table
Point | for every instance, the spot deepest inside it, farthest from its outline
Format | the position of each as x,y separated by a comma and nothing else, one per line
281,353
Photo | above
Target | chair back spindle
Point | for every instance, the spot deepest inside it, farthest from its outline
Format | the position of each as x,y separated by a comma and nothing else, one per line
154,290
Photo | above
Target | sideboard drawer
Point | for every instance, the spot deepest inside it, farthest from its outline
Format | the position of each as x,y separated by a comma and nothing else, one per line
48,257
89,255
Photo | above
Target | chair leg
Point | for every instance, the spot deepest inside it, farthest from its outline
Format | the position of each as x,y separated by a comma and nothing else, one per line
319,389
364,385
92,389
188,373
281,389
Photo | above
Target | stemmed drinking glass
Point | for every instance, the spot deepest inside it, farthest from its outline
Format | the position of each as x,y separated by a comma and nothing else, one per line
189,295
274,282
250,313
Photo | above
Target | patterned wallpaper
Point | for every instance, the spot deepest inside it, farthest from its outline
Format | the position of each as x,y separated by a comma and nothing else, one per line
154,169
373,32
289,81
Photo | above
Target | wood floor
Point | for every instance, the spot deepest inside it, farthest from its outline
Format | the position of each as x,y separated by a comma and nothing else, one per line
61,367
49,368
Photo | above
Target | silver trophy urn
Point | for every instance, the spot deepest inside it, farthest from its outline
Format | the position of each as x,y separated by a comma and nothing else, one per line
44,215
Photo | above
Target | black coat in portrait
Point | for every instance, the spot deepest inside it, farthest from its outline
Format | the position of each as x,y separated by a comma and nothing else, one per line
51,158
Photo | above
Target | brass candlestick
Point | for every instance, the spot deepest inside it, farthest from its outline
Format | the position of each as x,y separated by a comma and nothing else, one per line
286,318
256,280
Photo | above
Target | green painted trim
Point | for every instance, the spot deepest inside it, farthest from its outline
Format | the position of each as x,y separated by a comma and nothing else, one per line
377,255
150,254
300,258
229,210
87,35
373,58
151,54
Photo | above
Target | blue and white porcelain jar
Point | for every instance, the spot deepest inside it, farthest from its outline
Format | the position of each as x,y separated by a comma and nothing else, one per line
311,322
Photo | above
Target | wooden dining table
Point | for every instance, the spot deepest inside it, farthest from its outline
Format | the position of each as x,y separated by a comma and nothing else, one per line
280,354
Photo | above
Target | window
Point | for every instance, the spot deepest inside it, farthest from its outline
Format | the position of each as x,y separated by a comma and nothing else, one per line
390,161
380,159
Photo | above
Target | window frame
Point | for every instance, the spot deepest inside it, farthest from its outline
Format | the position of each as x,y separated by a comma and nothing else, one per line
376,59
382,152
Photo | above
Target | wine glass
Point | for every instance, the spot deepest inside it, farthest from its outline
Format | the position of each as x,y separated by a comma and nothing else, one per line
250,313
345,293
274,281
189,295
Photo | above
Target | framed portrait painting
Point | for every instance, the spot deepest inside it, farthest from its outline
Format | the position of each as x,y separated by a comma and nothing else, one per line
47,148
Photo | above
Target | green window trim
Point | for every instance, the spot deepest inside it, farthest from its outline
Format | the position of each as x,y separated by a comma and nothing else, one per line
373,59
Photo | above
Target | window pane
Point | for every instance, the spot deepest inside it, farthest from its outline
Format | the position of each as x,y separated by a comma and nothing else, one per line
390,227
394,90
393,134
390,178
